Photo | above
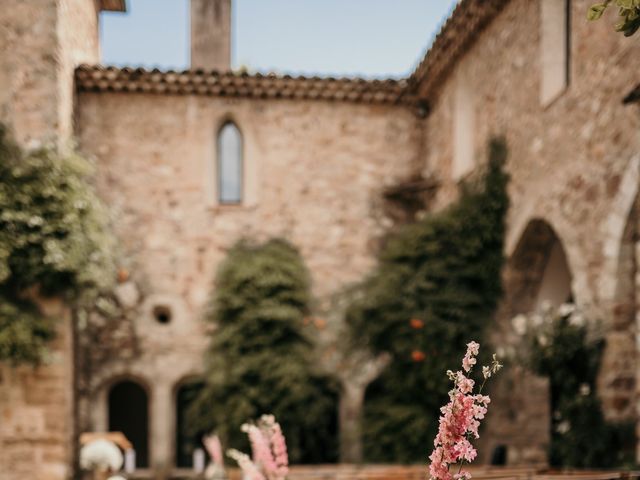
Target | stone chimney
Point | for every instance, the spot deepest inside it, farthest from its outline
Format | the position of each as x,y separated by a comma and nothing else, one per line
211,34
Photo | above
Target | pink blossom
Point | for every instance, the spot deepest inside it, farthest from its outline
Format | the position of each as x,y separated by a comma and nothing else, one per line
269,451
213,446
260,448
272,431
464,384
459,422
249,468
465,450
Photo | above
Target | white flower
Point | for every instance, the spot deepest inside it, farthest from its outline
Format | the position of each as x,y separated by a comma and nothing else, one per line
566,309
545,306
576,320
519,323
537,319
101,455
486,372
543,341
563,427
585,389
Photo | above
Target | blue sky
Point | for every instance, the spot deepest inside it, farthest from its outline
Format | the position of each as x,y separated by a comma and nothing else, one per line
372,38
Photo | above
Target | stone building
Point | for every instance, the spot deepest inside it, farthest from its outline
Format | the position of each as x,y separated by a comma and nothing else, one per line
192,161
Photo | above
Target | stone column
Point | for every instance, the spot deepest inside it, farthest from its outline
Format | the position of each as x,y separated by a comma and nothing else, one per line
351,402
357,373
161,426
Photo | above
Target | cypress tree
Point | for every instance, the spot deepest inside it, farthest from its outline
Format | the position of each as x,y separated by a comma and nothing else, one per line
435,288
260,358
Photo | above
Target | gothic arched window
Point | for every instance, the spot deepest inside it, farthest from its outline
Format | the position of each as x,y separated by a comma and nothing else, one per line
229,171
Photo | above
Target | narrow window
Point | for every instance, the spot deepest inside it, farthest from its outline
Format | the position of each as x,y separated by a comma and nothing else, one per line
229,164
555,48
463,127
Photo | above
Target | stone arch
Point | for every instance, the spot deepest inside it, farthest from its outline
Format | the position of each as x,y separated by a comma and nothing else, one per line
538,270
186,441
617,379
615,226
128,412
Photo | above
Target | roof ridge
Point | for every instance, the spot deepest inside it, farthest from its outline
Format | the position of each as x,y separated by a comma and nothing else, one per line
100,78
459,31
456,35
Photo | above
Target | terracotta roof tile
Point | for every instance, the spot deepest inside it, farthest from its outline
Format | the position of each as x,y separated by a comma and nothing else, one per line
456,36
95,78
466,22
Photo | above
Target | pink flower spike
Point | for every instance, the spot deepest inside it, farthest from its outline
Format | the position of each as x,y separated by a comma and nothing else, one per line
473,348
459,422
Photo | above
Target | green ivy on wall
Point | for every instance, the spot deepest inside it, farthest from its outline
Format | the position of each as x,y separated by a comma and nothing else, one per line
435,289
54,242
628,13
261,359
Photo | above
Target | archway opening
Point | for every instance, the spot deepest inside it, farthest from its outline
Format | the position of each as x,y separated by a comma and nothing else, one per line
129,414
538,272
188,440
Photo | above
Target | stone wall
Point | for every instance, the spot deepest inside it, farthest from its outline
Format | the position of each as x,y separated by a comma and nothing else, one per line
41,42
573,164
314,173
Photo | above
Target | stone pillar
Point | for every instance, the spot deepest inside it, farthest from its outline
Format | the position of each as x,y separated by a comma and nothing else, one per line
351,402
161,419
211,34
357,372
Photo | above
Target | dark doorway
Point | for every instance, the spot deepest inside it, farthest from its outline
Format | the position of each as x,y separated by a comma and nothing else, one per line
187,438
129,414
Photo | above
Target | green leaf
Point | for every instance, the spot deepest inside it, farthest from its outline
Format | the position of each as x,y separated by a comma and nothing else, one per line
596,11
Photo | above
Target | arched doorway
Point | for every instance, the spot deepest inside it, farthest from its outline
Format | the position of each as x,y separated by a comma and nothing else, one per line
538,272
187,439
129,414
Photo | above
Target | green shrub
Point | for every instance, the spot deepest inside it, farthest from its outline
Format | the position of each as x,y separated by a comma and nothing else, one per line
260,359
54,241
559,346
435,289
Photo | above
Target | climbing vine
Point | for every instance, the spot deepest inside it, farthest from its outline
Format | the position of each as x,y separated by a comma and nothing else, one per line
54,242
436,286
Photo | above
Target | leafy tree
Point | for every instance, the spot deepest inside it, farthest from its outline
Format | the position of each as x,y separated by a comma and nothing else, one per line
260,358
435,289
629,13
54,241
